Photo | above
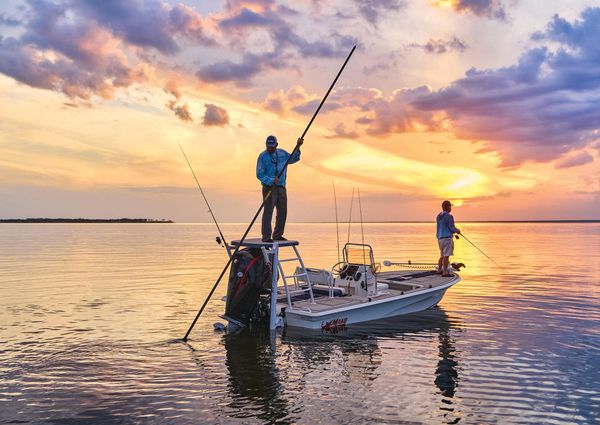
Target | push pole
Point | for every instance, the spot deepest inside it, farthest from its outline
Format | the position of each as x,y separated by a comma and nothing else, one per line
268,195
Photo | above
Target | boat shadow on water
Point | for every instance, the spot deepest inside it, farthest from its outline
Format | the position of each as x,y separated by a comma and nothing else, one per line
266,369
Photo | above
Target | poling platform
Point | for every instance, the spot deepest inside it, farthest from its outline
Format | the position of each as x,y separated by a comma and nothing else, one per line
258,243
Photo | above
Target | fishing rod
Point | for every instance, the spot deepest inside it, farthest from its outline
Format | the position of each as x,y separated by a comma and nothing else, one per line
350,216
220,239
337,222
362,232
488,257
267,196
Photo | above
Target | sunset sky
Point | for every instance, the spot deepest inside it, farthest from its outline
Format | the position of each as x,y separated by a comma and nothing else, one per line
493,104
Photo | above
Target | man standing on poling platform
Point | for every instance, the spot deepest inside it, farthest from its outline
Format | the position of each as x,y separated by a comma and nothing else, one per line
268,166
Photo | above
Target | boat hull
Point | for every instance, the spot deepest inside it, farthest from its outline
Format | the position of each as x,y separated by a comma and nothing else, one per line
368,311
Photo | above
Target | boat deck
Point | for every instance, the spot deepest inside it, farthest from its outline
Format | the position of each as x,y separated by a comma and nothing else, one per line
400,282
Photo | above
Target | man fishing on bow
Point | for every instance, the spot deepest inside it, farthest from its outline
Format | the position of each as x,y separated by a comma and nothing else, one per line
445,231
268,166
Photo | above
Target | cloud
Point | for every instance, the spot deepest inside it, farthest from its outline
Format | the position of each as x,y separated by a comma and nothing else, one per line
574,160
146,23
215,116
340,132
258,5
397,114
275,102
373,10
298,100
439,46
311,106
57,72
181,111
87,47
172,87
242,72
493,9
283,102
77,57
247,18
8,21
286,42
545,105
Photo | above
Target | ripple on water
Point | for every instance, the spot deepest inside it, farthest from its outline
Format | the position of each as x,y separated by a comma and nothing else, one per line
91,316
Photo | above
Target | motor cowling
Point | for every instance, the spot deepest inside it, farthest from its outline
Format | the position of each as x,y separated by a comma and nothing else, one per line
249,288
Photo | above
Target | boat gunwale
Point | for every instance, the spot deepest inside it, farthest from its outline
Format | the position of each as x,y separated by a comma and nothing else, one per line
305,313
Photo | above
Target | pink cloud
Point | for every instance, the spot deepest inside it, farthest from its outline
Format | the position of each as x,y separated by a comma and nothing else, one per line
574,160
181,111
215,116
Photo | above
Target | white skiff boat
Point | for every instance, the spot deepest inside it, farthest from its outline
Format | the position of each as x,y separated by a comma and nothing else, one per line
352,291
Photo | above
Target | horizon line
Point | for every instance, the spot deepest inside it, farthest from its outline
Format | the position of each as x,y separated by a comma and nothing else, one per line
152,220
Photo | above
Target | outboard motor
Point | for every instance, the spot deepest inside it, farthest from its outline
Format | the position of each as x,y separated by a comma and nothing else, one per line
249,288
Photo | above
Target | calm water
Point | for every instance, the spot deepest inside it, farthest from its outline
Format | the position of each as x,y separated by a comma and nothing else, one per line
90,317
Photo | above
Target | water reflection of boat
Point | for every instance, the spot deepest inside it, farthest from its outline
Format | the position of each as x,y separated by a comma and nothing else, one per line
253,373
351,356
356,350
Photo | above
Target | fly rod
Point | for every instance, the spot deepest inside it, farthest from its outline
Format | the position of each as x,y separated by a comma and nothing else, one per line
267,196
220,239
487,256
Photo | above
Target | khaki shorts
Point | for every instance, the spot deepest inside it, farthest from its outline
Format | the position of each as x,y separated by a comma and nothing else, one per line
446,247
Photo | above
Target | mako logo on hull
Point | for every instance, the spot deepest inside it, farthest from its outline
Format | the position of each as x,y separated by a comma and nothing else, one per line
335,325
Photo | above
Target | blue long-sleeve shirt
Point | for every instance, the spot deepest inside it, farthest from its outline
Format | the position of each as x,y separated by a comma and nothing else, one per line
268,166
445,225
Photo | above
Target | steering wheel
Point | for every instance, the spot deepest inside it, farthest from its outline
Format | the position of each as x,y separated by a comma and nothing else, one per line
340,268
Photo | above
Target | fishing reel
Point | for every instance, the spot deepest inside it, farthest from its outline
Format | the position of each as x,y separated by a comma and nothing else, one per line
458,266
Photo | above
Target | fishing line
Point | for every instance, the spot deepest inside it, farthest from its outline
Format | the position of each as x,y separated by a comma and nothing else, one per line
487,256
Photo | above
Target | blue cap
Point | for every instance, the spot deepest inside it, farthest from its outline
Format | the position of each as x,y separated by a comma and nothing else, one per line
271,141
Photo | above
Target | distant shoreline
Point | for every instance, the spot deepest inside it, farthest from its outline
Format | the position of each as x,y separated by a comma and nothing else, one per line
83,220
149,220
